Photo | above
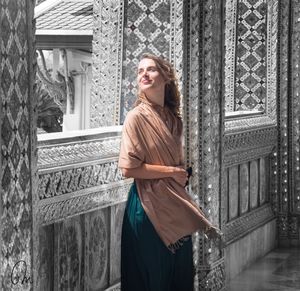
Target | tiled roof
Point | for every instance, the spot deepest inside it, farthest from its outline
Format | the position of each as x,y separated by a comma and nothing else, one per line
66,15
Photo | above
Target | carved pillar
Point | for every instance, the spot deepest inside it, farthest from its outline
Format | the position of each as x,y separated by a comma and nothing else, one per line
289,133
107,62
295,128
204,128
18,145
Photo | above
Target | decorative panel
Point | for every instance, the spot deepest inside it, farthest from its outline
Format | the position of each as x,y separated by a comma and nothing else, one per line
107,62
295,106
263,180
116,218
155,28
96,250
250,221
253,184
244,188
18,145
68,260
251,32
46,255
233,192
251,37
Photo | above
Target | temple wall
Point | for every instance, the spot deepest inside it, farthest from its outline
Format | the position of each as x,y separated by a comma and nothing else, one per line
18,146
62,214
250,175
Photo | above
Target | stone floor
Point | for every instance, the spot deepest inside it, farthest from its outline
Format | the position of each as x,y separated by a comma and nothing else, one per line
277,271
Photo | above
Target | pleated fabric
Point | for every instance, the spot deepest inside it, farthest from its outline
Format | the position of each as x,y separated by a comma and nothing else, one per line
146,263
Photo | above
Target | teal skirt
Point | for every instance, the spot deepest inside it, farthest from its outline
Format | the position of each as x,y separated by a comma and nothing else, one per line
146,263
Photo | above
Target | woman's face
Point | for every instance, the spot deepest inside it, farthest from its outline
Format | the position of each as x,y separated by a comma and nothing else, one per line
149,77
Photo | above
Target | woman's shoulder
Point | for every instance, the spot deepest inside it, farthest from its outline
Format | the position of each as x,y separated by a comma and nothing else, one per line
134,115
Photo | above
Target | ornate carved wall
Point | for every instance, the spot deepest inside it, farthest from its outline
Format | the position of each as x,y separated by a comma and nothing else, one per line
18,145
288,141
245,169
124,31
204,128
80,211
249,179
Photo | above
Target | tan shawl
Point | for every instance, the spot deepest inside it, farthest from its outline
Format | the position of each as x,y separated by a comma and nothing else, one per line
152,134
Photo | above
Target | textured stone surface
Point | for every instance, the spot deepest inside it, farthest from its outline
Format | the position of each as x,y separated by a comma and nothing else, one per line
117,213
245,251
253,184
18,144
244,188
233,207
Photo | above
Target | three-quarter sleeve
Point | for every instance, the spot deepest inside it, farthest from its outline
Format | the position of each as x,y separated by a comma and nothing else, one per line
131,150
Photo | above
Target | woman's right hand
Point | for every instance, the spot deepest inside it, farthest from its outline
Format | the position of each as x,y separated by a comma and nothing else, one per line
180,175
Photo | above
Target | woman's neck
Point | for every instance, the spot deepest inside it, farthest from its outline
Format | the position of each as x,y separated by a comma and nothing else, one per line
156,98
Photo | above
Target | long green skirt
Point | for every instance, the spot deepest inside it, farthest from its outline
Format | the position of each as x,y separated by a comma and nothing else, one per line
146,263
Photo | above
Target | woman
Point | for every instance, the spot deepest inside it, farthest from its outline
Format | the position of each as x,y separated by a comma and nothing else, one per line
156,247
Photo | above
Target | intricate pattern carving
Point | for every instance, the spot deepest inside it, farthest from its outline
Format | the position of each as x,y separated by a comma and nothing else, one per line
45,270
202,113
18,139
154,28
283,105
248,140
237,228
176,38
96,250
117,213
53,210
214,279
77,151
56,183
295,108
246,155
250,83
107,62
68,257
253,74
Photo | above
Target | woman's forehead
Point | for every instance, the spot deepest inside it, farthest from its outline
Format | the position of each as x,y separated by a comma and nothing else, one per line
144,63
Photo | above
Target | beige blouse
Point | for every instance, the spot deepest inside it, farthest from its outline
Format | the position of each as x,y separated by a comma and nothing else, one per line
152,134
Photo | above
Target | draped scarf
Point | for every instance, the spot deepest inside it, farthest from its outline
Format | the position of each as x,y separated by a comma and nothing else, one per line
153,134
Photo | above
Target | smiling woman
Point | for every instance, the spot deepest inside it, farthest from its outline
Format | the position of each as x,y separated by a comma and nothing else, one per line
156,247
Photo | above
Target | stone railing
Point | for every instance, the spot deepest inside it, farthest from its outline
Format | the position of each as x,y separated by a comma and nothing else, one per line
80,209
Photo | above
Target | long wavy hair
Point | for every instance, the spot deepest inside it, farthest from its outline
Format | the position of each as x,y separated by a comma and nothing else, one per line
172,94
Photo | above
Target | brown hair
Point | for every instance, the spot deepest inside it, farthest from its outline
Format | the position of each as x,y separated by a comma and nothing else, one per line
172,94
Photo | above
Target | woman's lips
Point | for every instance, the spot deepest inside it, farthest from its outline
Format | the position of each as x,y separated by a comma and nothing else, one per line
145,82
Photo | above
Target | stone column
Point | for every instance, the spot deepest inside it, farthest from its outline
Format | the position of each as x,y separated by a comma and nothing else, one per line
288,124
18,145
204,128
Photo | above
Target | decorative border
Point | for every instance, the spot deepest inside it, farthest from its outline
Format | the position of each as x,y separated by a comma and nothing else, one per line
214,278
230,46
269,118
246,156
243,141
77,151
294,167
55,210
176,38
245,224
107,62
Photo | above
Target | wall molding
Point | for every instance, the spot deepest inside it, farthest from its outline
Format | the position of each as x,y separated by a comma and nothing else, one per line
59,208
236,229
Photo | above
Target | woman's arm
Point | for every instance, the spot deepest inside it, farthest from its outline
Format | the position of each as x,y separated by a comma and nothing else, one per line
148,171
